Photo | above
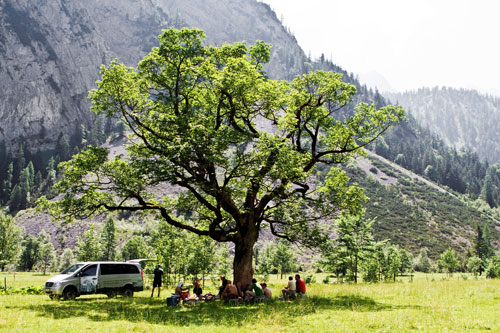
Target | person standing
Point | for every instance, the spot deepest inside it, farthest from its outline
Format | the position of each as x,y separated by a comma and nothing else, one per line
158,275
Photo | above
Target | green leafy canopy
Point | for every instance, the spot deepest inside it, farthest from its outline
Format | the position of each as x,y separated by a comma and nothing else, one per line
238,150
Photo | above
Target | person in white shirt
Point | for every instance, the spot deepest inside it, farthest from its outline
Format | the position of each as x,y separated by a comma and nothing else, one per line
289,290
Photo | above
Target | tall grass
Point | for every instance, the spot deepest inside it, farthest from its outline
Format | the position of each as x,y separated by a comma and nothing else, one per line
430,303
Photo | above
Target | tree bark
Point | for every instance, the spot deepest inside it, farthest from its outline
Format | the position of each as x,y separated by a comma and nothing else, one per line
242,265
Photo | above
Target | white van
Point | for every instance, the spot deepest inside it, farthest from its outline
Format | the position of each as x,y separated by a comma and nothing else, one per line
103,277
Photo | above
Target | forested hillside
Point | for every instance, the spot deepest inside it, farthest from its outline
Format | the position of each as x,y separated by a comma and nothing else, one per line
463,118
417,149
415,213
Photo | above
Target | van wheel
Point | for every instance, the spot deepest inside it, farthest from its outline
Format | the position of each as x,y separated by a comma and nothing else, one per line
69,294
128,292
111,294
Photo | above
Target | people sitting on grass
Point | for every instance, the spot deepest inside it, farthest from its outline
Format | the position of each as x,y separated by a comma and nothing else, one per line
197,290
255,290
289,290
267,292
223,286
181,292
230,292
241,291
300,285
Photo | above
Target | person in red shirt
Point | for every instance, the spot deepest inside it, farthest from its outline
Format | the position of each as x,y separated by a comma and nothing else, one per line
300,285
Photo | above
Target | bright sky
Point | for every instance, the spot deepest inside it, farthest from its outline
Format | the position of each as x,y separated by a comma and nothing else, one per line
412,43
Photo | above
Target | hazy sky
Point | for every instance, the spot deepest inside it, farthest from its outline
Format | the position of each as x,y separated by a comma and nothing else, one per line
412,43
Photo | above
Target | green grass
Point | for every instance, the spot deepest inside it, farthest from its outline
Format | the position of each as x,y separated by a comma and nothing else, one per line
429,303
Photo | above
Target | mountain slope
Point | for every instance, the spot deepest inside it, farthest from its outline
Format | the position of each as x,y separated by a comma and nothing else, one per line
413,212
462,118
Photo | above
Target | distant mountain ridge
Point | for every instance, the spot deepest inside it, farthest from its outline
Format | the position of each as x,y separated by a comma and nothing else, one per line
463,118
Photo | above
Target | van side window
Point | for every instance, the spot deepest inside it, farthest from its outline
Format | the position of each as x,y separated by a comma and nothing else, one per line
89,271
113,269
128,269
109,269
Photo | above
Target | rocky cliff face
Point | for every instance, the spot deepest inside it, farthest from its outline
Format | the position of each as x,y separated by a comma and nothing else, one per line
48,60
51,51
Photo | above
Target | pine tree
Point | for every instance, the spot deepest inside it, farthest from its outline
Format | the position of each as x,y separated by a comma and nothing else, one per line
7,184
19,162
265,264
88,247
63,148
46,253
38,182
51,175
482,247
67,259
283,258
201,253
474,265
16,198
393,262
30,255
26,179
355,237
448,261
406,261
487,191
109,240
423,263
83,135
9,240
30,175
135,248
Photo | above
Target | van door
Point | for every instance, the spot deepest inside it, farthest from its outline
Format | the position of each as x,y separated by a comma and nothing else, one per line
110,278
88,279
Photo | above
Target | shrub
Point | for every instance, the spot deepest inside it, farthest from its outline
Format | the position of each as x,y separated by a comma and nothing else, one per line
370,274
493,268
309,278
474,265
31,290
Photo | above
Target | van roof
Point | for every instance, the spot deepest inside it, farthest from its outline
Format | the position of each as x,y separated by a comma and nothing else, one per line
106,262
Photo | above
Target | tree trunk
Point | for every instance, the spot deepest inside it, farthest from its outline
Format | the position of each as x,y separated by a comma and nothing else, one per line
356,270
242,265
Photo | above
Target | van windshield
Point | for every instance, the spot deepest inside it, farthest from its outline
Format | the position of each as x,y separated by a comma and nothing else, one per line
72,269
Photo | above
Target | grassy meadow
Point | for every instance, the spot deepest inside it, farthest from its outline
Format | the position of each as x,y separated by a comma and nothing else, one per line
432,303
